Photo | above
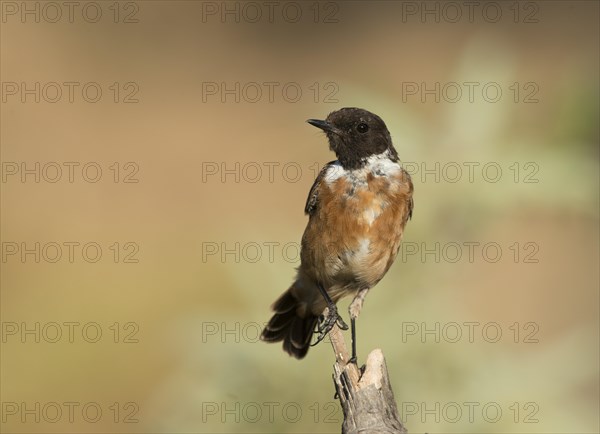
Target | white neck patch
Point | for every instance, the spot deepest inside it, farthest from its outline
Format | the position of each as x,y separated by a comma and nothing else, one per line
377,165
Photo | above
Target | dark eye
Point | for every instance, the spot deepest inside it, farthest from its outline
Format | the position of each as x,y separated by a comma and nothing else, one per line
362,128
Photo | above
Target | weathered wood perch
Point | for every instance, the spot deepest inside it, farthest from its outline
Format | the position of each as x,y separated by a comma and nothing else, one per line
367,400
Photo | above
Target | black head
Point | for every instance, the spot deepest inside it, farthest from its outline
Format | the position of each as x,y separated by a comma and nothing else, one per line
354,135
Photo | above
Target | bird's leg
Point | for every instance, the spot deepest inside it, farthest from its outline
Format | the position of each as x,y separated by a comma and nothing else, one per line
353,334
329,319
354,310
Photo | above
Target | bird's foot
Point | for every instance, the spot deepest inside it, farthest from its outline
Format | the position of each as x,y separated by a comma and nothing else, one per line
327,321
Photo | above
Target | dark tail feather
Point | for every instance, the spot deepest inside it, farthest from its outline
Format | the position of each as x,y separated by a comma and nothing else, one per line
287,326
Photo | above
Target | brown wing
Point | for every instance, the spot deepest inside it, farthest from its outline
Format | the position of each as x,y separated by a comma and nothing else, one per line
313,196
411,203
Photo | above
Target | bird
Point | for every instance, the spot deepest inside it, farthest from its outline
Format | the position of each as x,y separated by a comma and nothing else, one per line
357,210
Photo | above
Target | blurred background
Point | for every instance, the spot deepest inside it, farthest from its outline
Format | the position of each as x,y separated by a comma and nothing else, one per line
155,163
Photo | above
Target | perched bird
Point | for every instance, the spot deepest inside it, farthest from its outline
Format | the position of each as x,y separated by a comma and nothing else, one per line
357,207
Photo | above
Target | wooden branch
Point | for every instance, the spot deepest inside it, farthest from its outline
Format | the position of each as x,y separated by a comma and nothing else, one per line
367,400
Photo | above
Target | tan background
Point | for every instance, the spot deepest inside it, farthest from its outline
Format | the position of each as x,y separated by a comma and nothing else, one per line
197,366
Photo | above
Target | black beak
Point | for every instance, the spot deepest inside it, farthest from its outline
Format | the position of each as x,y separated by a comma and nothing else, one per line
324,125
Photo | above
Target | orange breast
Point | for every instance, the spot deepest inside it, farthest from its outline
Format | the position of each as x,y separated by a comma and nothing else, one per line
353,237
